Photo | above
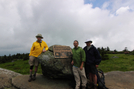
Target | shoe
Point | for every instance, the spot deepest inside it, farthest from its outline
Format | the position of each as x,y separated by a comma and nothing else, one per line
34,77
77,87
90,85
83,87
95,86
30,79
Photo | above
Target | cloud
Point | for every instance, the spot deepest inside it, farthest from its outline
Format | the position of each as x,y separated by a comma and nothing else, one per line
122,10
62,22
105,5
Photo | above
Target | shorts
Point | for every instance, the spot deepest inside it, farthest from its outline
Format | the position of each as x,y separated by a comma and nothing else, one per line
33,61
90,69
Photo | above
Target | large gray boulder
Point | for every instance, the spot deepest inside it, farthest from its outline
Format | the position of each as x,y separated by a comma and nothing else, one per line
56,62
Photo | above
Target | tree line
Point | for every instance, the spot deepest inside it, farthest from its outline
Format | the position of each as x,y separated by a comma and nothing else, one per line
103,52
11,58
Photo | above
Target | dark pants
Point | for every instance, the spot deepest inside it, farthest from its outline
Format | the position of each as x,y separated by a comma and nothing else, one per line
90,68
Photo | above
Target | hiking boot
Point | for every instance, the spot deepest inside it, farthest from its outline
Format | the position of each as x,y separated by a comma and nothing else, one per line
95,86
90,85
77,87
34,77
30,79
83,87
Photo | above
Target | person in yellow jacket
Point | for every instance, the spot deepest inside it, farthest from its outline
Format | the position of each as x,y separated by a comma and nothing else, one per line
36,49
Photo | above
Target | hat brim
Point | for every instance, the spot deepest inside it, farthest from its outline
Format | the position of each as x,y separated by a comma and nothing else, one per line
39,36
88,41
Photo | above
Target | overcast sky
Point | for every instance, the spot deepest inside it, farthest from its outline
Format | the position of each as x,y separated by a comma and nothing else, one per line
106,22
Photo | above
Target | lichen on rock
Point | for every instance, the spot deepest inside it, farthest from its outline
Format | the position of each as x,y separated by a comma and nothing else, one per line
55,67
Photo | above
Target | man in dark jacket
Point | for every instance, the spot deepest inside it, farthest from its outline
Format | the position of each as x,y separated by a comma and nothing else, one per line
93,59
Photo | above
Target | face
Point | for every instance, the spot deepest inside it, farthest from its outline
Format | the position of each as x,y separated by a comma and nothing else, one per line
39,38
75,44
88,43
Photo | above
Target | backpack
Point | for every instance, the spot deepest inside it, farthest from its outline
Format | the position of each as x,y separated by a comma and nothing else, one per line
101,79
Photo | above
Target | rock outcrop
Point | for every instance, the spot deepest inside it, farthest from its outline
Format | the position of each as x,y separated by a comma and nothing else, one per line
12,80
56,62
120,80
41,82
6,78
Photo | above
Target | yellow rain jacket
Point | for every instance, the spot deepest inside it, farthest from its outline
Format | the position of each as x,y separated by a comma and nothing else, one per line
37,48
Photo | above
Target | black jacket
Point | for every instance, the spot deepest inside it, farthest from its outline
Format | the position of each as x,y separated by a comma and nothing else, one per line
92,56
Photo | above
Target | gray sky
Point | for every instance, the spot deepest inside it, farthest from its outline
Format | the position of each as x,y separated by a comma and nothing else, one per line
63,21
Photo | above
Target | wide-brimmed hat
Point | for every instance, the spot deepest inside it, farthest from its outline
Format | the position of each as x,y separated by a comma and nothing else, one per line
88,40
39,35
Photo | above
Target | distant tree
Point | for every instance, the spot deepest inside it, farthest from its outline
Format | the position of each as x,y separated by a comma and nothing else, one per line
132,52
102,49
103,53
18,56
115,50
9,58
99,49
125,49
0,59
26,57
3,59
108,49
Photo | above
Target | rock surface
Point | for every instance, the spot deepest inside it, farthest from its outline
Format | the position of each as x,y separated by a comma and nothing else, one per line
6,78
41,82
5,81
12,80
55,67
9,73
120,80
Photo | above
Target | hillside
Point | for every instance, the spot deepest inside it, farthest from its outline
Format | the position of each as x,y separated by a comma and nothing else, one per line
116,62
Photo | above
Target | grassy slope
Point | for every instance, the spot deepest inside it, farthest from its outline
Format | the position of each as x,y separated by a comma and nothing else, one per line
19,66
122,63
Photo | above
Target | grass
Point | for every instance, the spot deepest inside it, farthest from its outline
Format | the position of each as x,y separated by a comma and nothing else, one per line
19,66
124,62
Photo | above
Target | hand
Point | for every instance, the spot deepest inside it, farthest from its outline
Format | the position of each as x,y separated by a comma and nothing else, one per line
81,67
44,51
72,62
96,66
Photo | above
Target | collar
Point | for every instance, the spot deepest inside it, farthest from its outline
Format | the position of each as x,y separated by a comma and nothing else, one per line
76,47
39,41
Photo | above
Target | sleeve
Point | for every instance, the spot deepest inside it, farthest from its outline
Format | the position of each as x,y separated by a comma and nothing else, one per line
98,57
83,55
32,48
45,46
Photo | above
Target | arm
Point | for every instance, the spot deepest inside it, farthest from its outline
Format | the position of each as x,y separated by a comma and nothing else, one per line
81,67
72,62
46,47
98,58
83,55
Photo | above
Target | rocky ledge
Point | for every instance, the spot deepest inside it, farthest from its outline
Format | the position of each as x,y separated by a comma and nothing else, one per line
12,80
